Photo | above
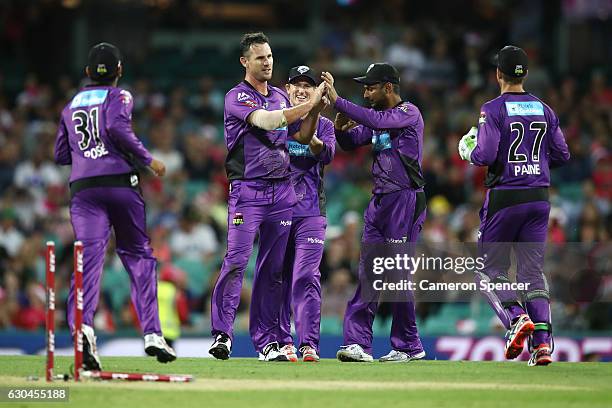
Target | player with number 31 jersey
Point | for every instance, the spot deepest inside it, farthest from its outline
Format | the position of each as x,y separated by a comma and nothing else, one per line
519,139
95,137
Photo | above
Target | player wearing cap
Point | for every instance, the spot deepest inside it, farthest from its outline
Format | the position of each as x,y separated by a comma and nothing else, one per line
261,197
95,136
519,139
301,276
397,209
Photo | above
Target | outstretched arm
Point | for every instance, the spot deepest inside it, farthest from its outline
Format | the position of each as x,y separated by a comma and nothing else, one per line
389,119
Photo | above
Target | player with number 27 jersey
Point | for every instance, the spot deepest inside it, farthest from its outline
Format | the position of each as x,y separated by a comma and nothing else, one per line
519,138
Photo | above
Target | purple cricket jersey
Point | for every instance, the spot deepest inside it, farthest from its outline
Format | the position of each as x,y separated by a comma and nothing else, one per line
95,134
396,136
519,138
254,153
307,170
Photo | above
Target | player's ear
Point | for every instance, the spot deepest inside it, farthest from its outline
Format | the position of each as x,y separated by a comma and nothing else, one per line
243,61
119,70
287,87
87,71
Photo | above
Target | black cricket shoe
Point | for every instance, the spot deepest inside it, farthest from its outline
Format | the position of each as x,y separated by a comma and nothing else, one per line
222,347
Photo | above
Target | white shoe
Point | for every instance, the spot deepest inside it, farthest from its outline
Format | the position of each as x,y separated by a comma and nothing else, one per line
91,360
395,356
156,345
290,351
271,352
353,353
309,354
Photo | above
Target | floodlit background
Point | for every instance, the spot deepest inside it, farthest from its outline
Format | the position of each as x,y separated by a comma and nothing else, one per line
181,57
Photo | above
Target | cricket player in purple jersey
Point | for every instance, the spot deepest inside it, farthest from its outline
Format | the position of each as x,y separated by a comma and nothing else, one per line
519,139
397,209
95,137
301,275
258,120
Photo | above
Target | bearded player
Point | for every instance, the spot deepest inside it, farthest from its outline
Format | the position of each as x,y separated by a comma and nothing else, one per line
258,119
519,139
396,211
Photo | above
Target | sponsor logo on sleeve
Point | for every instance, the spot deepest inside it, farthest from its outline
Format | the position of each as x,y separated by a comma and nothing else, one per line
403,107
483,118
125,97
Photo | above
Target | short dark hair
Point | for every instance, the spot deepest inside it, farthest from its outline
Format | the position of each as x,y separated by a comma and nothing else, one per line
513,80
252,38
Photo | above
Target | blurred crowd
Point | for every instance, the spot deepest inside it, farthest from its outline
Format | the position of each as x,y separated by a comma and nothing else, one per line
447,76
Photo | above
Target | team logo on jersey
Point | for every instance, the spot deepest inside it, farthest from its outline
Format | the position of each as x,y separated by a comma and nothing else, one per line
134,180
238,219
483,118
246,100
518,70
403,107
283,105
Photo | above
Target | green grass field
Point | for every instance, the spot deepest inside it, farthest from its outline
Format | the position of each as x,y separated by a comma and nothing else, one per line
249,383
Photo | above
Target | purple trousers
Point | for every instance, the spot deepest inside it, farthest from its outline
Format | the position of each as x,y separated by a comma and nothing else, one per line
93,213
302,281
522,228
393,216
264,207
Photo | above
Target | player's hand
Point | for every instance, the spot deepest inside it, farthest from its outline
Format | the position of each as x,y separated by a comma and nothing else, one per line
468,143
319,98
328,80
158,168
343,123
